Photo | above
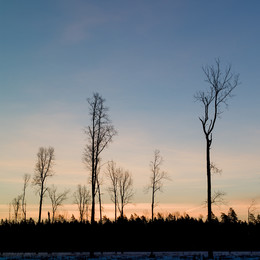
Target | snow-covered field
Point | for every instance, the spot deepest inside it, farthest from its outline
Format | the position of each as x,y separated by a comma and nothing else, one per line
134,255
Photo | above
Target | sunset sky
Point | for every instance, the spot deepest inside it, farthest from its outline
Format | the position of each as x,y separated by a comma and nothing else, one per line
145,58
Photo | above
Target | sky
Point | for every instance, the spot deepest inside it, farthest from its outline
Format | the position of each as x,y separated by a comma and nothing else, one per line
145,58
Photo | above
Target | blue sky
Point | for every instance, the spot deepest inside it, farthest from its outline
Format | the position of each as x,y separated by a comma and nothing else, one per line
145,59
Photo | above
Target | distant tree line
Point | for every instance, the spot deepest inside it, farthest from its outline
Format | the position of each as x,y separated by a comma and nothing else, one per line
170,233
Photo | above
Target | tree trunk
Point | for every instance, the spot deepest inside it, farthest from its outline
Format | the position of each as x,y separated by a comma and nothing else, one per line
209,181
122,208
115,208
152,203
53,214
100,203
210,250
93,205
40,207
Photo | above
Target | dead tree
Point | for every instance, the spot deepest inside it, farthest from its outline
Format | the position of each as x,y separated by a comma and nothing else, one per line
82,198
157,177
221,84
43,170
99,133
16,202
56,199
26,179
113,176
126,193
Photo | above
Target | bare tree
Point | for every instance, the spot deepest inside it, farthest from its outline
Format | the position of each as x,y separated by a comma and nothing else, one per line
82,198
100,133
157,177
16,202
113,175
26,179
250,211
43,170
221,84
56,199
126,193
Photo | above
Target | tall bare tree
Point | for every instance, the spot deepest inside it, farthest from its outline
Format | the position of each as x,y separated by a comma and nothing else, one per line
221,84
157,177
56,199
82,199
113,175
43,170
16,202
126,193
26,179
100,133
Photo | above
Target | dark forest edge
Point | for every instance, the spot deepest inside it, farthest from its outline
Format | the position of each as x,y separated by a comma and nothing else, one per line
171,233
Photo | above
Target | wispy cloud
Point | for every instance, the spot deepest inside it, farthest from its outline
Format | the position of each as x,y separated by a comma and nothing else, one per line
81,25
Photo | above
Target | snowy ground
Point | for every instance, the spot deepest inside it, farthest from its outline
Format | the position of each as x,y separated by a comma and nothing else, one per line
134,255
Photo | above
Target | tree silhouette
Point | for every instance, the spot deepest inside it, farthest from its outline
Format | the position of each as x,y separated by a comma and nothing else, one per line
126,193
26,179
82,198
221,84
250,212
157,177
100,133
56,199
16,202
43,170
113,176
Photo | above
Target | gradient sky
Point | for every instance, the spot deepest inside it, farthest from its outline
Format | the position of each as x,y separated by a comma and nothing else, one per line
145,58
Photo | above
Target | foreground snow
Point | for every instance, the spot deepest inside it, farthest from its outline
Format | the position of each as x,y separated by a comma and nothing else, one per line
133,255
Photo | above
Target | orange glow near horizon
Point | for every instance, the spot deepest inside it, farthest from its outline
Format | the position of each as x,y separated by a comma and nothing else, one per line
140,209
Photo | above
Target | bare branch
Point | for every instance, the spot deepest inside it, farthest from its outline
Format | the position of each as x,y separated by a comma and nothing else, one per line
215,169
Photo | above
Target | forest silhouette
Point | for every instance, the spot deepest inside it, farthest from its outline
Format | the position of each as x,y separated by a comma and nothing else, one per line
171,233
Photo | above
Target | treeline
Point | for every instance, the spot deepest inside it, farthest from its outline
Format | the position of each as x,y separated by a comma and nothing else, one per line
169,233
